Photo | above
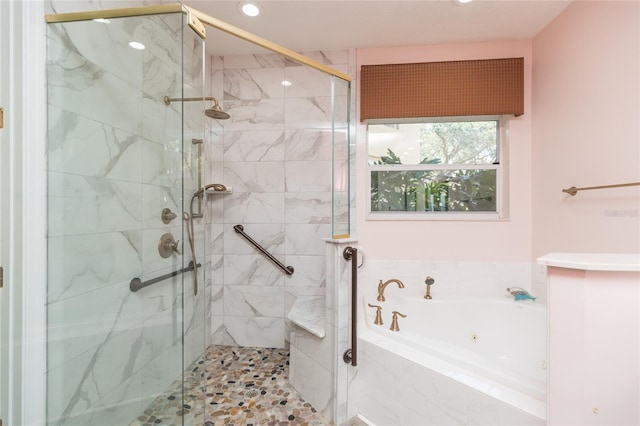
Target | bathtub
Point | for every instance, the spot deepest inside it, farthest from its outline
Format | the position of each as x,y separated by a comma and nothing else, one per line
494,346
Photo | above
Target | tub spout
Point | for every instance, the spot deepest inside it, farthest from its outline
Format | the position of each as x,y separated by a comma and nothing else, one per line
383,285
394,321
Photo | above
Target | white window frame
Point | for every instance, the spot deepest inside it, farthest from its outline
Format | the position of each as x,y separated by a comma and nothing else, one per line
502,210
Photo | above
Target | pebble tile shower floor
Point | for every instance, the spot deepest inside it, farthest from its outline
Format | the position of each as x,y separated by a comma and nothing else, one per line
244,386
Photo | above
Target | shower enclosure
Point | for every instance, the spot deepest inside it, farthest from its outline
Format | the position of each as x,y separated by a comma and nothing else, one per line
123,168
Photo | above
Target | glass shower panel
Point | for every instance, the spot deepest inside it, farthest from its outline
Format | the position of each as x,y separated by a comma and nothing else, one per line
196,295
340,190
115,161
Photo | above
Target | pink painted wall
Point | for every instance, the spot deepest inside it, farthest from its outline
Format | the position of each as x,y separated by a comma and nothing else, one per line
507,240
586,129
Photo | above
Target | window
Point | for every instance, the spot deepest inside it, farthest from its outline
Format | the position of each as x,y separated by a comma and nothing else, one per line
440,168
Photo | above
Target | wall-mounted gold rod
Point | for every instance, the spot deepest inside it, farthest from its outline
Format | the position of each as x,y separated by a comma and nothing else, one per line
573,190
259,41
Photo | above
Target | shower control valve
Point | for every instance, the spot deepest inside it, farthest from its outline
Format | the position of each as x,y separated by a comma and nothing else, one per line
167,215
167,246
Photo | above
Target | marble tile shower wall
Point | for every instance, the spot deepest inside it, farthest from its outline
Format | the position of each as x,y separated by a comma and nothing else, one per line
275,152
115,160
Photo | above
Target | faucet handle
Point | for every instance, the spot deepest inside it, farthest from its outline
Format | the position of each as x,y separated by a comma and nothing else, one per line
167,215
394,321
378,320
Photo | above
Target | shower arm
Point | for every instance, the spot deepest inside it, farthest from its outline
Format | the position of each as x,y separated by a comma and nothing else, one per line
168,100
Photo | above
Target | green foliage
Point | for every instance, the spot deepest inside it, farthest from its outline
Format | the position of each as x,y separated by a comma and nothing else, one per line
467,142
462,143
392,158
463,190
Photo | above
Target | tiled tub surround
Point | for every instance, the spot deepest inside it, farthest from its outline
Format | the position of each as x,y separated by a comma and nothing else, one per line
399,382
276,153
115,160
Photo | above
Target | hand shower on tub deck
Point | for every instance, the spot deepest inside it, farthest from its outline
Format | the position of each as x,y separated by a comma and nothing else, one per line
188,217
520,293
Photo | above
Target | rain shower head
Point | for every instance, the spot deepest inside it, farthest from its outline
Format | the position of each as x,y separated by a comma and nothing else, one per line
214,112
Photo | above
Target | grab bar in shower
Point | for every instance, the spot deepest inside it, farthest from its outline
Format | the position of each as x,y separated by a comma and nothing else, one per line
573,190
286,269
351,355
137,284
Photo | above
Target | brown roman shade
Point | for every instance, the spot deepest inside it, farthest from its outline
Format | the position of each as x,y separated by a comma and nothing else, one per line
442,89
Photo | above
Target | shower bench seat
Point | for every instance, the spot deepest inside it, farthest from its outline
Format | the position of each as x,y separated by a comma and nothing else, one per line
308,313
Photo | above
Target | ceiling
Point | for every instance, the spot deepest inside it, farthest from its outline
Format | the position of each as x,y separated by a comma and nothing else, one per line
306,25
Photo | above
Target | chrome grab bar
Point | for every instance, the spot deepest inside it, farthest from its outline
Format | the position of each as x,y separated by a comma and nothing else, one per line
137,284
351,355
286,269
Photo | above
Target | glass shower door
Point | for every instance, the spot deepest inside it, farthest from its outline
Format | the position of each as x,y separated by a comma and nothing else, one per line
115,163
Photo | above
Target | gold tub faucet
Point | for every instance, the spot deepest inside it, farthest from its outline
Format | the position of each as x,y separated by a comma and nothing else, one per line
394,321
383,285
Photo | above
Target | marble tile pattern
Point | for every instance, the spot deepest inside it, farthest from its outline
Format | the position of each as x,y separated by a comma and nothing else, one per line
116,159
318,371
244,386
276,153
309,314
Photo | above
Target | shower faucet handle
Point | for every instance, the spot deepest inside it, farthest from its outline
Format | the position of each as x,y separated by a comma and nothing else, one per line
167,215
167,246
175,246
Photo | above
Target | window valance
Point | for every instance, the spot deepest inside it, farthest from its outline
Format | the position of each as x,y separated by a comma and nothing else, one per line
442,89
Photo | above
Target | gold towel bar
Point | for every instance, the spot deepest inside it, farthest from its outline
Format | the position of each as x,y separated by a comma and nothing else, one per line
573,190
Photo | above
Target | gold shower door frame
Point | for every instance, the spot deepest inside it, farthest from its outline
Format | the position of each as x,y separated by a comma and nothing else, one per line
197,21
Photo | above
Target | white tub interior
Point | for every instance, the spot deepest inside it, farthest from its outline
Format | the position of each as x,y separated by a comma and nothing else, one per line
471,333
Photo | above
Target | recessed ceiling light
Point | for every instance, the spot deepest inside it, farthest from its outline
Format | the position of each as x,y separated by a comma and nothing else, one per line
249,8
286,83
461,2
136,45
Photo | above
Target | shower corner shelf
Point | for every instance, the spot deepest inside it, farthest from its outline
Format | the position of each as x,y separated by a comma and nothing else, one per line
214,192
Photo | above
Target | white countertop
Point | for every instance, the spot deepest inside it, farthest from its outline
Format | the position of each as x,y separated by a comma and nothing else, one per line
593,261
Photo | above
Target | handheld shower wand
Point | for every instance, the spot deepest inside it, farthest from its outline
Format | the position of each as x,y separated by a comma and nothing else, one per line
188,217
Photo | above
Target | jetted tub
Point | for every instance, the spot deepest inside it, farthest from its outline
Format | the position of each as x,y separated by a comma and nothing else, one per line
496,346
